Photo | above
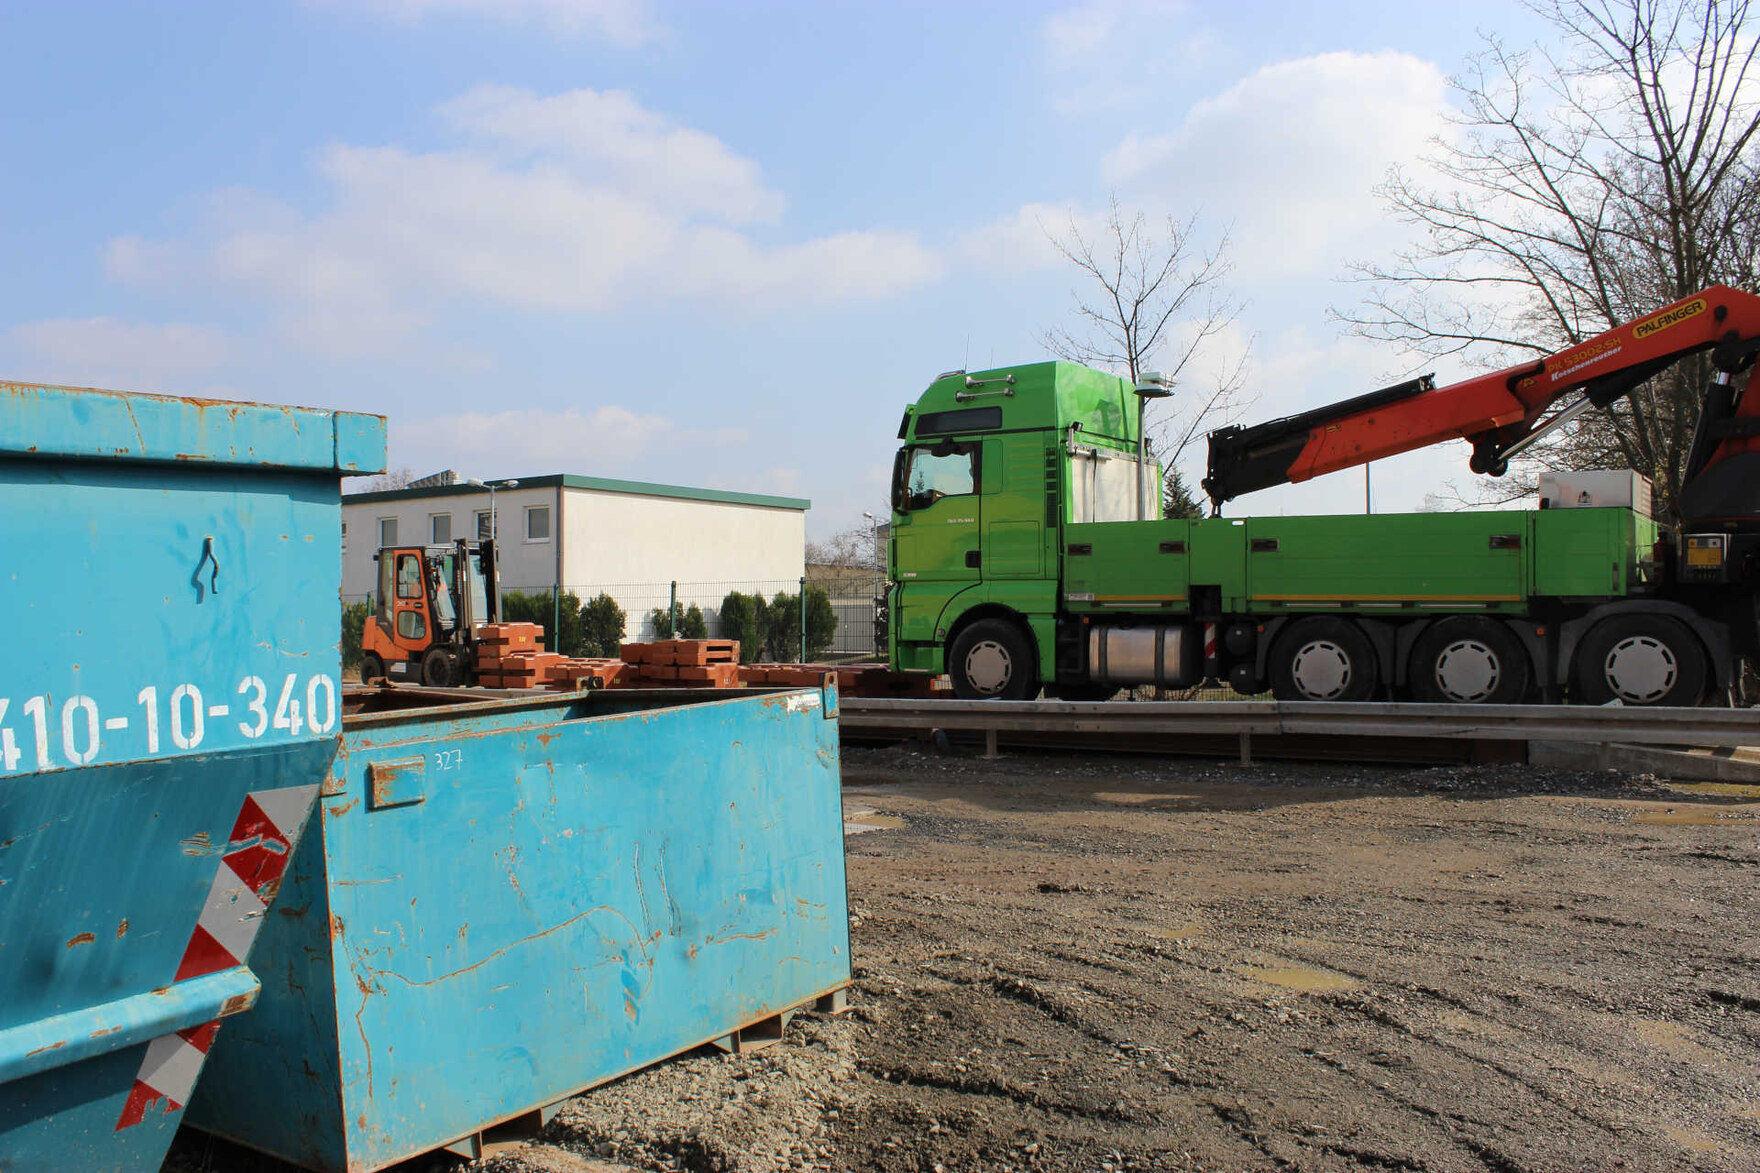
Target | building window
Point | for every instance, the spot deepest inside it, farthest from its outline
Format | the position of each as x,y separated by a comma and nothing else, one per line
440,529
537,523
345,537
387,532
484,525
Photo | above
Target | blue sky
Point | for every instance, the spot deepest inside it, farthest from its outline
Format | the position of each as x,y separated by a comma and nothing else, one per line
707,244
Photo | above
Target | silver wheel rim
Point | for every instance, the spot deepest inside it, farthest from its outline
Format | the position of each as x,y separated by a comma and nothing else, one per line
1321,670
1641,669
989,667
1468,671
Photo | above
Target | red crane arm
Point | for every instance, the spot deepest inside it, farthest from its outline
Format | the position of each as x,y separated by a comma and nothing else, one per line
1494,411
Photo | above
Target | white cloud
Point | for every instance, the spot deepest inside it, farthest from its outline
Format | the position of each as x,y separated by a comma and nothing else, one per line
626,23
137,356
1021,241
608,136
1105,54
605,439
1291,153
582,202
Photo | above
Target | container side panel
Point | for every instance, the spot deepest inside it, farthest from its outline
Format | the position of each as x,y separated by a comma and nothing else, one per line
192,611
104,872
572,899
64,1121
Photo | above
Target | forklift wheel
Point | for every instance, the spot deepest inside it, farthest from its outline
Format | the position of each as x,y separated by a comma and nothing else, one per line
439,670
372,667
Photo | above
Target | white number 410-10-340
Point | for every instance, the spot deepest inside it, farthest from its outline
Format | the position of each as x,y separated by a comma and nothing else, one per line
76,735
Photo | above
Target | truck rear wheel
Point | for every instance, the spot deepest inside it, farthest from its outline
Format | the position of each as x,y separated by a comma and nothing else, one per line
992,660
1323,659
1640,659
1468,660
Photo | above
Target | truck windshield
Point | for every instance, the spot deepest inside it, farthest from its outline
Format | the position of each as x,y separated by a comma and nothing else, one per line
946,470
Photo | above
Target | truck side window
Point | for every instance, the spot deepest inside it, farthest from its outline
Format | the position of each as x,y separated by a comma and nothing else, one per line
946,470
409,576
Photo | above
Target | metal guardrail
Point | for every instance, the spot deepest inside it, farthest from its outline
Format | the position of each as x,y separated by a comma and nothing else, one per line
1245,719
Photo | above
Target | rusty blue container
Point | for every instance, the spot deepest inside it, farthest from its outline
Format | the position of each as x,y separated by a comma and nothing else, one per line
171,705
502,903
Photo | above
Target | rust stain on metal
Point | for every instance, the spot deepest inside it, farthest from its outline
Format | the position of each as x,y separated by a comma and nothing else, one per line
235,1005
198,844
81,939
337,812
336,927
122,927
545,739
104,1030
50,1047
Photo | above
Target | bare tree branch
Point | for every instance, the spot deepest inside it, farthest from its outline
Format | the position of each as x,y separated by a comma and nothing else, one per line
1580,188
1155,301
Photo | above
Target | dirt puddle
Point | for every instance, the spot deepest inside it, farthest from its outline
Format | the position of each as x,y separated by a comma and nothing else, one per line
1297,977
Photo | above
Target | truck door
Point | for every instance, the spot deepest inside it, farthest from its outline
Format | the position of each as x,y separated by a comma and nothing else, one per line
935,490
1015,483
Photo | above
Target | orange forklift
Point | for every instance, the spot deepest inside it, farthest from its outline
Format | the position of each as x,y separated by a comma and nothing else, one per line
431,601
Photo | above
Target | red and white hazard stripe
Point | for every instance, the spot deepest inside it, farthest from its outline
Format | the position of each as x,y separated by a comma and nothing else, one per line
250,871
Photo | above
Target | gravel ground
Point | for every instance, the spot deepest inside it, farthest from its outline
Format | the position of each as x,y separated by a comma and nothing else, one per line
1134,964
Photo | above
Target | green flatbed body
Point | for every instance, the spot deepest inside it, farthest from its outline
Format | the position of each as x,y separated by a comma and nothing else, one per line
1414,562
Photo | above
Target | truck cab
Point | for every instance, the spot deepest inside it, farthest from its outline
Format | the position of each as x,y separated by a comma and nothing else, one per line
993,465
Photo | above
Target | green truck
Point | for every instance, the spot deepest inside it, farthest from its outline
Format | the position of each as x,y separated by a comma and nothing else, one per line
1028,553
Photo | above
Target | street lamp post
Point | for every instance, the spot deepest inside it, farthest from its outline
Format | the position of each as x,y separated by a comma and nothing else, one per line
494,534
494,587
881,568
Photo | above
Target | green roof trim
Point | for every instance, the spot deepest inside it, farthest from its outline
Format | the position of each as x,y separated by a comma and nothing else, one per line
595,484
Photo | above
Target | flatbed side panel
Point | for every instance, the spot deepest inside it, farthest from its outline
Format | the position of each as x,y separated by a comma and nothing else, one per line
1588,553
1405,561
1128,567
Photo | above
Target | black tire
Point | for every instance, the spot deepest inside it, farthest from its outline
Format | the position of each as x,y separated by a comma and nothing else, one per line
439,669
1468,660
1323,659
1640,659
1082,692
372,666
992,660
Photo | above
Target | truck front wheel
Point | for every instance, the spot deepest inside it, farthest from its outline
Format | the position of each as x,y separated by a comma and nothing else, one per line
1639,659
1323,659
992,660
